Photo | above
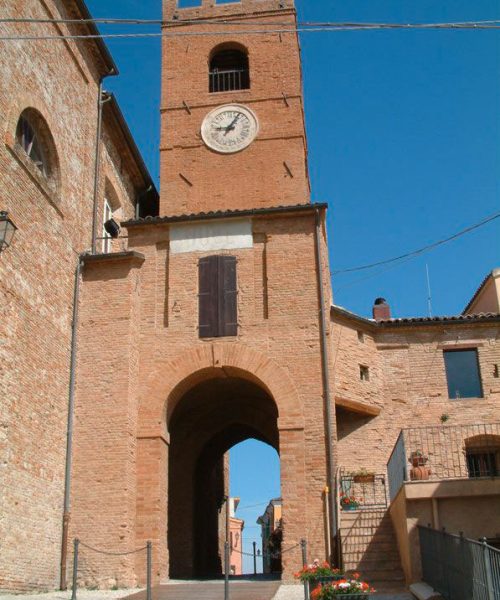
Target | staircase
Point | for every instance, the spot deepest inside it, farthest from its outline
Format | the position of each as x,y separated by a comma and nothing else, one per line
369,546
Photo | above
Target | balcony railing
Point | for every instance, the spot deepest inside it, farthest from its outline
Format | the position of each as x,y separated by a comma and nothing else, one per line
444,452
228,81
459,568
368,491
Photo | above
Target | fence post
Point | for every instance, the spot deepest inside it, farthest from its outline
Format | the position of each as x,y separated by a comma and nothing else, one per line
76,543
149,568
487,570
303,545
226,570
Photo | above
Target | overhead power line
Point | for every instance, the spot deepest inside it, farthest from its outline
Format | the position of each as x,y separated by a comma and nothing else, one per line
225,21
282,29
414,253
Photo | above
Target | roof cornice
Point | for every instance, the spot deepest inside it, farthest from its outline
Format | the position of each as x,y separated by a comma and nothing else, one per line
226,214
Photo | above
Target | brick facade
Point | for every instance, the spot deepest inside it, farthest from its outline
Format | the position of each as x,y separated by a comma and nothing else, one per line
157,407
58,82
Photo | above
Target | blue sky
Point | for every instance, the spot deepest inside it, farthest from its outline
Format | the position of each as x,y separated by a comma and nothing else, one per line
403,132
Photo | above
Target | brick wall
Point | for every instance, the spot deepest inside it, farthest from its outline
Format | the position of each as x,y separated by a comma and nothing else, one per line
53,216
257,176
407,384
277,349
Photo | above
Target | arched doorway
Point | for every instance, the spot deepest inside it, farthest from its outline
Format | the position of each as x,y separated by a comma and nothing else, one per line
208,419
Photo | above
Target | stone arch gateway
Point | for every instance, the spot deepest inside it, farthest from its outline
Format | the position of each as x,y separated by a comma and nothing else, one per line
204,403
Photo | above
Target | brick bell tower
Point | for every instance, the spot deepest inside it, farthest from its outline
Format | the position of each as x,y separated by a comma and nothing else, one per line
232,133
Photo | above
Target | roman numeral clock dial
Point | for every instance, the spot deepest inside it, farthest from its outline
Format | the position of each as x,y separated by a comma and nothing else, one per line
229,128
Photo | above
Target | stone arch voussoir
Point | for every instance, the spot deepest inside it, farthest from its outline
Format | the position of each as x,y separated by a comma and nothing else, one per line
174,378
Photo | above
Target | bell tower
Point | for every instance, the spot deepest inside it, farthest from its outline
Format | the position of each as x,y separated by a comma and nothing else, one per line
232,131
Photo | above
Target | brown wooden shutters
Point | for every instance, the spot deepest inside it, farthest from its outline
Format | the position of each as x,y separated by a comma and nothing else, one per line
218,303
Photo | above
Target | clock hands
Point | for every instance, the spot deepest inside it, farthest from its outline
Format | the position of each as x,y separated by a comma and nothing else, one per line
233,124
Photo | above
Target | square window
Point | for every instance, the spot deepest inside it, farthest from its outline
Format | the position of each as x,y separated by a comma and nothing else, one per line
364,373
462,374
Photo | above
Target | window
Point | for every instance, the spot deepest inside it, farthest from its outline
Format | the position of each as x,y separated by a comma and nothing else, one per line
29,138
229,69
361,337
218,308
107,215
481,464
483,455
462,374
364,373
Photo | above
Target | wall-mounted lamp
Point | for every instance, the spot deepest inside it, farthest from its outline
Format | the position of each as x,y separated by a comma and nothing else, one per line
7,230
112,228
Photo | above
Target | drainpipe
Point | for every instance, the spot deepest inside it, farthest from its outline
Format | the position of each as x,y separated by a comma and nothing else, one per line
102,99
138,201
74,330
69,434
330,475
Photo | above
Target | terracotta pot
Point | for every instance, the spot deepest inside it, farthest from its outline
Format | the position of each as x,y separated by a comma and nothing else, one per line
421,473
418,461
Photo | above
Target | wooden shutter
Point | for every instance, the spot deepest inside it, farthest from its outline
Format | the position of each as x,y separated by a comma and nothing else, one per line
228,296
208,292
218,301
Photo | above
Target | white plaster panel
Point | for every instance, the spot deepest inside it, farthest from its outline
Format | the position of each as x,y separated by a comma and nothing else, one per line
211,235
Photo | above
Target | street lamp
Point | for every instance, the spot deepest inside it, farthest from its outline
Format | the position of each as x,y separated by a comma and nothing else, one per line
7,230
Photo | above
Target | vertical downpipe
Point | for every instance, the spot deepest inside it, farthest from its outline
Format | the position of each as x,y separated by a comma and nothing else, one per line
69,431
327,396
97,165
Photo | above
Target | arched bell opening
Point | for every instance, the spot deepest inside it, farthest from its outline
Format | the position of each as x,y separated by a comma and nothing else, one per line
210,418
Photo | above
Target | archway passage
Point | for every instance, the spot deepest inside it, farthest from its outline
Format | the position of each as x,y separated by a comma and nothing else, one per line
207,421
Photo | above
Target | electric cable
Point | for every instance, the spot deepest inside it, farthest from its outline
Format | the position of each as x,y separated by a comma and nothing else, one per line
225,21
415,253
286,30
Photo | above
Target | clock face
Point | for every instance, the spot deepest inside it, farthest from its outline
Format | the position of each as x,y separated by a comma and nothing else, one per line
229,128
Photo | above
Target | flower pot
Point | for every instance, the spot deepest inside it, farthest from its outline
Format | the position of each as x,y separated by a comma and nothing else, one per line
349,507
420,473
418,460
351,596
368,478
316,582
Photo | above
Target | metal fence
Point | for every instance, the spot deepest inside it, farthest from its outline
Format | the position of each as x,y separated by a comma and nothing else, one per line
396,467
227,81
369,491
148,548
459,568
444,452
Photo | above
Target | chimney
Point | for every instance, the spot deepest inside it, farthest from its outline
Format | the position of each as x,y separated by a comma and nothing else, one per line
381,310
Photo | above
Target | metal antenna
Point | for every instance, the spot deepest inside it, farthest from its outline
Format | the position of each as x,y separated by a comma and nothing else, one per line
429,294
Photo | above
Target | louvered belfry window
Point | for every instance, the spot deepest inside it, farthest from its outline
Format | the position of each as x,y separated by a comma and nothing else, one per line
218,303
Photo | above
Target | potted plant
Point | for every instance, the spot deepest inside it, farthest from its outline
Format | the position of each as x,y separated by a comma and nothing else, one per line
318,574
343,589
363,476
418,460
349,502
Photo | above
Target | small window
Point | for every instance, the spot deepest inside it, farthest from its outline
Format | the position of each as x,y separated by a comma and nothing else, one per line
482,464
106,238
364,373
28,137
361,337
218,307
462,374
229,70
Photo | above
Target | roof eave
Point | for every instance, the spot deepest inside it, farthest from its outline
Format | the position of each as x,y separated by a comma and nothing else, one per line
130,141
228,214
109,63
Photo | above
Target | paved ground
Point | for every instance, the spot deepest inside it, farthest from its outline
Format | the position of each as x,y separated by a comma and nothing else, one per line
81,595
206,590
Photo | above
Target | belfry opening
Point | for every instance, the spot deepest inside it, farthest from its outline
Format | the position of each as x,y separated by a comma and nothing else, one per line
216,412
